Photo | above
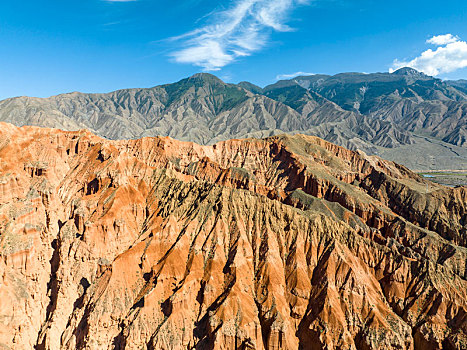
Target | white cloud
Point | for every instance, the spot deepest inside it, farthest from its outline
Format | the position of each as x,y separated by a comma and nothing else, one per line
450,56
439,40
292,75
236,32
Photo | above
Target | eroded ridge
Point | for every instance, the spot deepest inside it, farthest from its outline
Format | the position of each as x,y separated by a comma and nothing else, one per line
288,242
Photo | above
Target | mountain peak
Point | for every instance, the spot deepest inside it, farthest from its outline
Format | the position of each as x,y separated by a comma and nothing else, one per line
250,87
408,71
206,77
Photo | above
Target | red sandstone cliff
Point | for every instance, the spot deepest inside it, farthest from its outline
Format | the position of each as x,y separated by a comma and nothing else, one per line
283,243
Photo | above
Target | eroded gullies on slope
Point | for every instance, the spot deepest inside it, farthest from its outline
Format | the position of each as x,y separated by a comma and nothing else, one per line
284,242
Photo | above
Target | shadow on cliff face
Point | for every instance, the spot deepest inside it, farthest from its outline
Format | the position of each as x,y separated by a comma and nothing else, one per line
52,287
309,339
79,303
203,328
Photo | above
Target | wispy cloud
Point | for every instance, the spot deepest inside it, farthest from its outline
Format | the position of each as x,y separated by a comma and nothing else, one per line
292,75
108,24
233,33
450,55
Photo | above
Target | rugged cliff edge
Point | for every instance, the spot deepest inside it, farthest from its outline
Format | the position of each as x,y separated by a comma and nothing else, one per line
288,242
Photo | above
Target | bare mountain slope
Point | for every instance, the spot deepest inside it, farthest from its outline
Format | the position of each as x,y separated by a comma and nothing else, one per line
201,108
374,113
289,242
407,99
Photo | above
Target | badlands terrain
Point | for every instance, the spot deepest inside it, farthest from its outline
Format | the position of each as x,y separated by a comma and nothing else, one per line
285,242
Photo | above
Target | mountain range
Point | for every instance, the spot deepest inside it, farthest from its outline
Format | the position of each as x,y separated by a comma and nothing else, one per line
405,116
286,242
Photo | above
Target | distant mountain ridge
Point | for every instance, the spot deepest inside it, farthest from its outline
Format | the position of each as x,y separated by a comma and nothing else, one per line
407,98
402,116
460,84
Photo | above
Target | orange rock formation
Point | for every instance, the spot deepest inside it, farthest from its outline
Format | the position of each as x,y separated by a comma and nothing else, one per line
289,242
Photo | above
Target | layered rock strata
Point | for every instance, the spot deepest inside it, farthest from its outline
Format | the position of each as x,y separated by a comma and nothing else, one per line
288,242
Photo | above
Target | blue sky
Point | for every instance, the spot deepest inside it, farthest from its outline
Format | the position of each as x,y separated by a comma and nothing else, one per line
54,46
